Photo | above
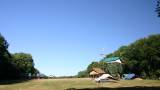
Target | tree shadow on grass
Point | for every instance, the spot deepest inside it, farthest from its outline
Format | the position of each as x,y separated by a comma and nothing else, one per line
5,82
120,88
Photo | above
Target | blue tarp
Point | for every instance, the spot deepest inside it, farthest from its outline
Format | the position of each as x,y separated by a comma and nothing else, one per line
128,76
110,59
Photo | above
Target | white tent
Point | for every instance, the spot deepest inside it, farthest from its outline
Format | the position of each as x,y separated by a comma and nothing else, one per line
117,61
103,77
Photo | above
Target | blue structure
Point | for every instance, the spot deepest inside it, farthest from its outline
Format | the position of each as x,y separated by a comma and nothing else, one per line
128,76
110,60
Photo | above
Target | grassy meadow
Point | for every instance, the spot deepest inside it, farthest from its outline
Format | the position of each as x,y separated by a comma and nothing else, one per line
77,83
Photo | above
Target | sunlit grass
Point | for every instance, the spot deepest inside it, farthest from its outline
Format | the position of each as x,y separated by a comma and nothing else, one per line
62,84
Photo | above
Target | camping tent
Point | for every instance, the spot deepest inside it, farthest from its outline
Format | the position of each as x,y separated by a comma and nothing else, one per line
103,77
128,76
112,60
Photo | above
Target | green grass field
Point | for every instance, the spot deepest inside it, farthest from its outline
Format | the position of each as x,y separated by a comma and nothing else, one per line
77,83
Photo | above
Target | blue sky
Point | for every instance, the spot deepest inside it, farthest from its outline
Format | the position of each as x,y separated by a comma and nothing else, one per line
64,36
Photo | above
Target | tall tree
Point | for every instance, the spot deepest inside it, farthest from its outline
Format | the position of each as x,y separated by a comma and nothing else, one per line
7,68
141,57
18,65
158,8
24,62
82,74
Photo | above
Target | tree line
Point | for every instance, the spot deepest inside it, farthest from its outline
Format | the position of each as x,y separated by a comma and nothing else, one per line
158,8
17,65
141,57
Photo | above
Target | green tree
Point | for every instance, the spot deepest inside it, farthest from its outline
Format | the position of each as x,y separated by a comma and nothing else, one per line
82,74
14,66
91,66
7,69
100,64
158,8
141,57
3,47
24,62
